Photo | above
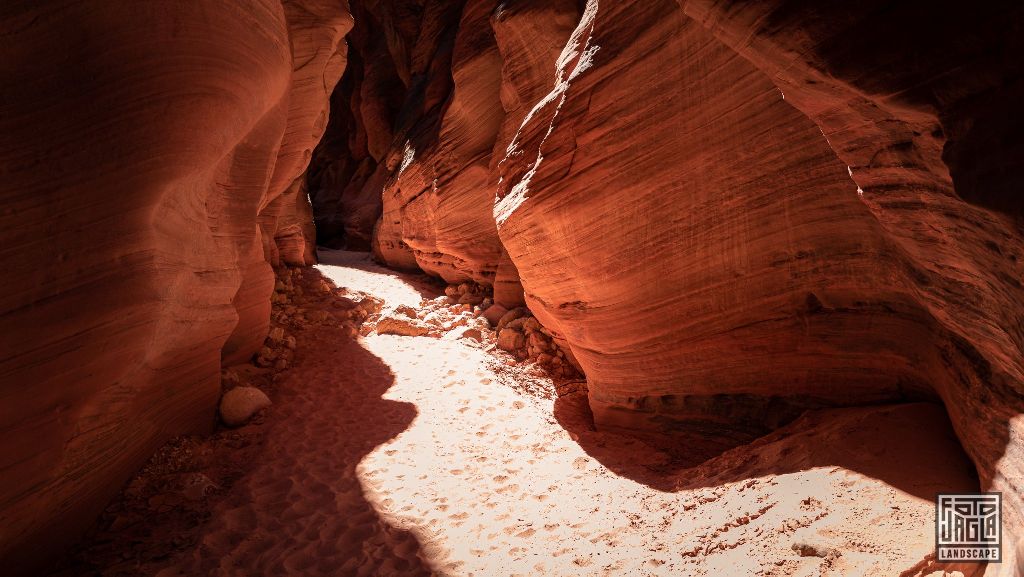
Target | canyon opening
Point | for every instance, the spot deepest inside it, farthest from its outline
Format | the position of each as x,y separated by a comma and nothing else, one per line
512,288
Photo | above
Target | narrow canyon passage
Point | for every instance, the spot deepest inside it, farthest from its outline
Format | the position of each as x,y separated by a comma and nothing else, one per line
493,287
414,455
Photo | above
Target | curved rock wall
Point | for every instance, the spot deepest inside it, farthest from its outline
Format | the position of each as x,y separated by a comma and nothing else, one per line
440,191
730,212
726,212
768,261
142,142
923,111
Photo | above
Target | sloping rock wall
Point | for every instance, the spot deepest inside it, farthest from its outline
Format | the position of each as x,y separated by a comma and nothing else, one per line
920,100
149,153
730,212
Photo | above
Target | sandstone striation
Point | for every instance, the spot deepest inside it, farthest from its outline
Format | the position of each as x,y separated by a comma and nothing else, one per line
923,112
730,213
151,153
733,218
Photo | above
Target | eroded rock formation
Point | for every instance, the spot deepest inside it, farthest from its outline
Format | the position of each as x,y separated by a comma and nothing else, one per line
731,213
151,157
923,113
723,213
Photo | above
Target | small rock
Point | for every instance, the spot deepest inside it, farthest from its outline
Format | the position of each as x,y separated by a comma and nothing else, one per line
813,547
196,486
400,325
511,340
289,342
494,313
468,333
239,404
539,341
276,334
516,324
281,364
370,305
512,315
406,310
471,299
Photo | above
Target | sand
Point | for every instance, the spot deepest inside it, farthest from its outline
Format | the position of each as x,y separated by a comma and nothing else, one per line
395,455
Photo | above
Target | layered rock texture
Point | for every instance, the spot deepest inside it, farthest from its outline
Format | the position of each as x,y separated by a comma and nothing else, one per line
729,213
152,156
723,213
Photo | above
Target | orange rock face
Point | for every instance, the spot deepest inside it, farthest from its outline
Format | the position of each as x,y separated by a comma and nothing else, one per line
724,212
437,205
925,119
732,212
769,262
149,152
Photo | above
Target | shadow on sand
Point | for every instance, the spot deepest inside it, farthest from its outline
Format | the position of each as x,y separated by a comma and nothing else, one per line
296,504
911,447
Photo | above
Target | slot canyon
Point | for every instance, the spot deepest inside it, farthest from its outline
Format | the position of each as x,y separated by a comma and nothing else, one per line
509,288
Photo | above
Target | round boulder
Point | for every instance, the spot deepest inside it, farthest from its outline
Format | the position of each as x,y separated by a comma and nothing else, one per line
239,404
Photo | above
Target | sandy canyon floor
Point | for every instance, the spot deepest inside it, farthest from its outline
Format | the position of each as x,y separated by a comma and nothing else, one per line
402,455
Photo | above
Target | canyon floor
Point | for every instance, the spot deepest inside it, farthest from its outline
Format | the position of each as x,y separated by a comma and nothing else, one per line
417,455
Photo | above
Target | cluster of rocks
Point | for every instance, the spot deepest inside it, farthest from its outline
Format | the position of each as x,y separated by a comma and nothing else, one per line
438,317
468,293
522,335
466,311
301,299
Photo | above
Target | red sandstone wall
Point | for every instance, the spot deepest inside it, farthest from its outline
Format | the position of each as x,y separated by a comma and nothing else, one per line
141,142
731,211
727,211
920,100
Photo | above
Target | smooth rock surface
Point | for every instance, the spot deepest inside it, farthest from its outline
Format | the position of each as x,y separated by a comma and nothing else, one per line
239,405
148,151
925,113
730,212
